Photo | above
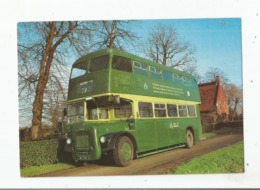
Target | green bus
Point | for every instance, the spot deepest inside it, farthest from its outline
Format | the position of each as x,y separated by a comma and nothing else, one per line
128,107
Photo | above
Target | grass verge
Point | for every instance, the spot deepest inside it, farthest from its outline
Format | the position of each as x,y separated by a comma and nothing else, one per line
208,135
226,160
38,170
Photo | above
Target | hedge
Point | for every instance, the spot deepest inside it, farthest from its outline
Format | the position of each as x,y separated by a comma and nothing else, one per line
209,127
38,153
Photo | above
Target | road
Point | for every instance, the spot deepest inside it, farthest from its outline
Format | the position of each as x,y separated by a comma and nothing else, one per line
157,163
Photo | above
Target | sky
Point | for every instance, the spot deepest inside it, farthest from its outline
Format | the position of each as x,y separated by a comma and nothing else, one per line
217,42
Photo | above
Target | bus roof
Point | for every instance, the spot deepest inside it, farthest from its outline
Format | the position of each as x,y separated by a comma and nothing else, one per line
167,83
132,57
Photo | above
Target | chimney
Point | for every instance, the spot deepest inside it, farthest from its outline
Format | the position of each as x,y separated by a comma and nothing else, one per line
218,80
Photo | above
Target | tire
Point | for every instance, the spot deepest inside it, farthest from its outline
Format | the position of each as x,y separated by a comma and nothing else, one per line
79,163
189,139
124,152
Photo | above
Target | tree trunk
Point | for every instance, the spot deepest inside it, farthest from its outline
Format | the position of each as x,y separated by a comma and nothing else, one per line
37,112
164,55
45,65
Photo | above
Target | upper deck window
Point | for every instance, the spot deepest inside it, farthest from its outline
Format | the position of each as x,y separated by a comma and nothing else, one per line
98,64
78,70
122,64
155,72
140,68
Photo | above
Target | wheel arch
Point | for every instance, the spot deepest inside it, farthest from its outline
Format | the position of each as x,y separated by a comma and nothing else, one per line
114,138
192,130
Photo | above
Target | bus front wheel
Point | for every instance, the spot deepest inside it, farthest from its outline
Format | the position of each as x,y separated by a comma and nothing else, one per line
124,152
189,139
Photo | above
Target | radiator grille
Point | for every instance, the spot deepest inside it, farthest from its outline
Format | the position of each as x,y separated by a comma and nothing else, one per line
82,141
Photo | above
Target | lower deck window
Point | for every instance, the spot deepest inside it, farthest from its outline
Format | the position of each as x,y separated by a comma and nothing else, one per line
172,110
124,110
191,111
182,110
145,109
159,110
95,113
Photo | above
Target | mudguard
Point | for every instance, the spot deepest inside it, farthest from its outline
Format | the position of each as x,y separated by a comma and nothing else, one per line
112,139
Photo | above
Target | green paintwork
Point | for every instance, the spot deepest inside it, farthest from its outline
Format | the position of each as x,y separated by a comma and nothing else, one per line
114,81
149,134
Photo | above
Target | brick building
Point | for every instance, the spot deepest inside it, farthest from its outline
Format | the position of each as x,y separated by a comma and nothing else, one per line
214,107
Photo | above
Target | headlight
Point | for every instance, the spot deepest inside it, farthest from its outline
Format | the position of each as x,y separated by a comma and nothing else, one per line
68,141
102,139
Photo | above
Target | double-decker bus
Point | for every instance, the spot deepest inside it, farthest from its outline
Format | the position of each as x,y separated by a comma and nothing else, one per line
128,107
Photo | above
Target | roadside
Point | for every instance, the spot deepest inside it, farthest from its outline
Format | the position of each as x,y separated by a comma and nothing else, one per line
158,163
45,169
225,160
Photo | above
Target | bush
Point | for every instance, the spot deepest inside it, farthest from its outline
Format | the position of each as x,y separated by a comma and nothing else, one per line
207,127
38,153
231,124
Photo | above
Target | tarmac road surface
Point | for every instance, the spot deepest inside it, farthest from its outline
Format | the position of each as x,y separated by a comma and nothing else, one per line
157,163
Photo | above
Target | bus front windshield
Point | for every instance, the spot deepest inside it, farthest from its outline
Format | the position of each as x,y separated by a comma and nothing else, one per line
75,112
96,113
99,109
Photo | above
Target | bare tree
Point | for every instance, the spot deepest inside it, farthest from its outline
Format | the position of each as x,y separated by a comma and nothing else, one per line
234,97
166,47
212,73
41,46
114,34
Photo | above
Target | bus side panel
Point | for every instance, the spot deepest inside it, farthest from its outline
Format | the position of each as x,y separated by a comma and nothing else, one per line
162,132
145,135
176,131
185,123
198,133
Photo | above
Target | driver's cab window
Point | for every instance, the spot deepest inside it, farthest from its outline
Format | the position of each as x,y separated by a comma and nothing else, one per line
96,113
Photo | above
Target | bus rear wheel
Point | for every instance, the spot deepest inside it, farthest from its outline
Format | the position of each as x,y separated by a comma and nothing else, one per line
124,152
189,139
